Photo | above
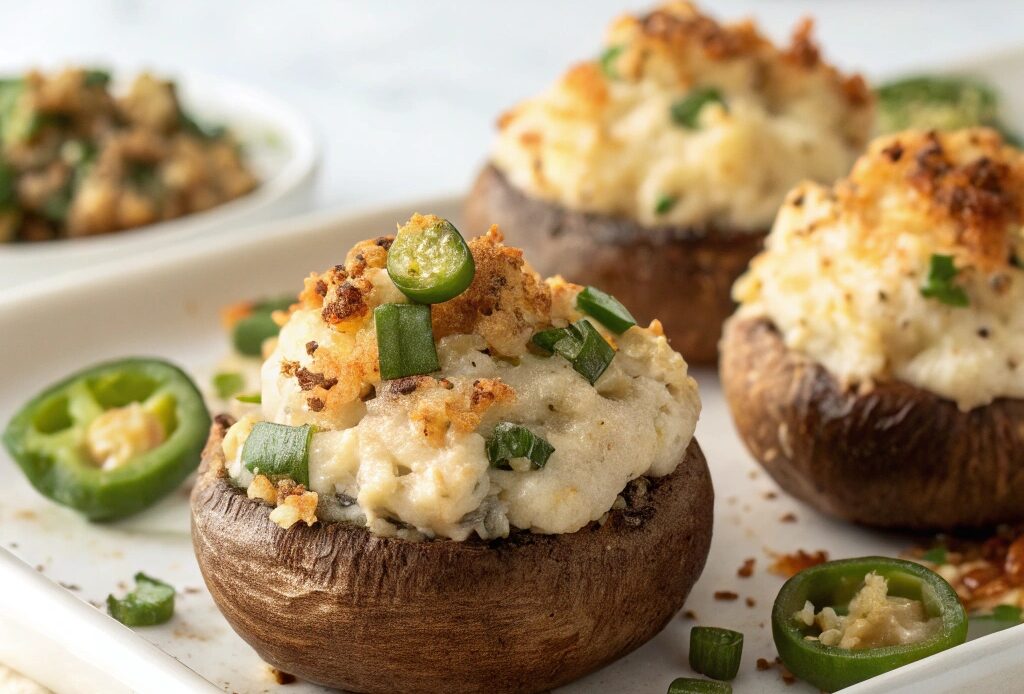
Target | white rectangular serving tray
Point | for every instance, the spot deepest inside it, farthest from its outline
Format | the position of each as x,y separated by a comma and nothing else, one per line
167,305
56,569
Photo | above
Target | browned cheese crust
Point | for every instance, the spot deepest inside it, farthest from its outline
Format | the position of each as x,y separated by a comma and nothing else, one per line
339,606
894,456
682,276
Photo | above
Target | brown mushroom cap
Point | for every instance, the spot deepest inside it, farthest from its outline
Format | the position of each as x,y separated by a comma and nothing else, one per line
681,275
896,456
339,606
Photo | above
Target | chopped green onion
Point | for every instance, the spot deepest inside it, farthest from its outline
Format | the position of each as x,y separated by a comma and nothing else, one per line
690,685
606,309
430,265
152,602
940,285
513,441
58,203
277,303
932,102
686,111
716,652
250,332
255,398
405,340
1009,137
279,451
8,183
1007,613
96,78
607,61
205,131
936,555
665,204
581,345
228,383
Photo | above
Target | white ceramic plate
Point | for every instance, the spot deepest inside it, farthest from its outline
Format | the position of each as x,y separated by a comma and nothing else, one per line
168,307
280,146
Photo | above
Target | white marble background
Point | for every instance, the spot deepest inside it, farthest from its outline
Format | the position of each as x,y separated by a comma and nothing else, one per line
404,93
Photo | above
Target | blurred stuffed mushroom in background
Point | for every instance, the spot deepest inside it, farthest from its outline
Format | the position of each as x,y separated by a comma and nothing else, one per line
655,170
449,449
876,364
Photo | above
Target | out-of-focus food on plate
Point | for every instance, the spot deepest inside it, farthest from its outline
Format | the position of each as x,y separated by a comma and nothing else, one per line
876,364
78,159
842,622
111,440
987,572
152,602
253,327
509,471
655,170
934,102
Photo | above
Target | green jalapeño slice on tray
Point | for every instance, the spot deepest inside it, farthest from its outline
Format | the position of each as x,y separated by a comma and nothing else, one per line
111,440
909,612
431,264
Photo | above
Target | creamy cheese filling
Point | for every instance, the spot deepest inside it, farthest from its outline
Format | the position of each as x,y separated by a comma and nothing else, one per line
408,457
842,277
377,468
875,619
603,138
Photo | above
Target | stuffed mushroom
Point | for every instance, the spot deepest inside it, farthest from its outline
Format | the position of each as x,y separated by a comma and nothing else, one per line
875,366
655,170
494,487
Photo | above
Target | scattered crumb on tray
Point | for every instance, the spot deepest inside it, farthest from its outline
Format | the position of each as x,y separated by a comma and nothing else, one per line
788,565
726,595
747,569
280,676
751,602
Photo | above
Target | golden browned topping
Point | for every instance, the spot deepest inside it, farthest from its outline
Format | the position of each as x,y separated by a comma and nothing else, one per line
671,39
263,489
963,187
679,25
789,565
681,107
505,304
294,504
437,405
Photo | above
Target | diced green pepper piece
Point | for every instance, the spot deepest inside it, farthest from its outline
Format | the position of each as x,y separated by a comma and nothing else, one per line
152,602
405,340
606,309
279,451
